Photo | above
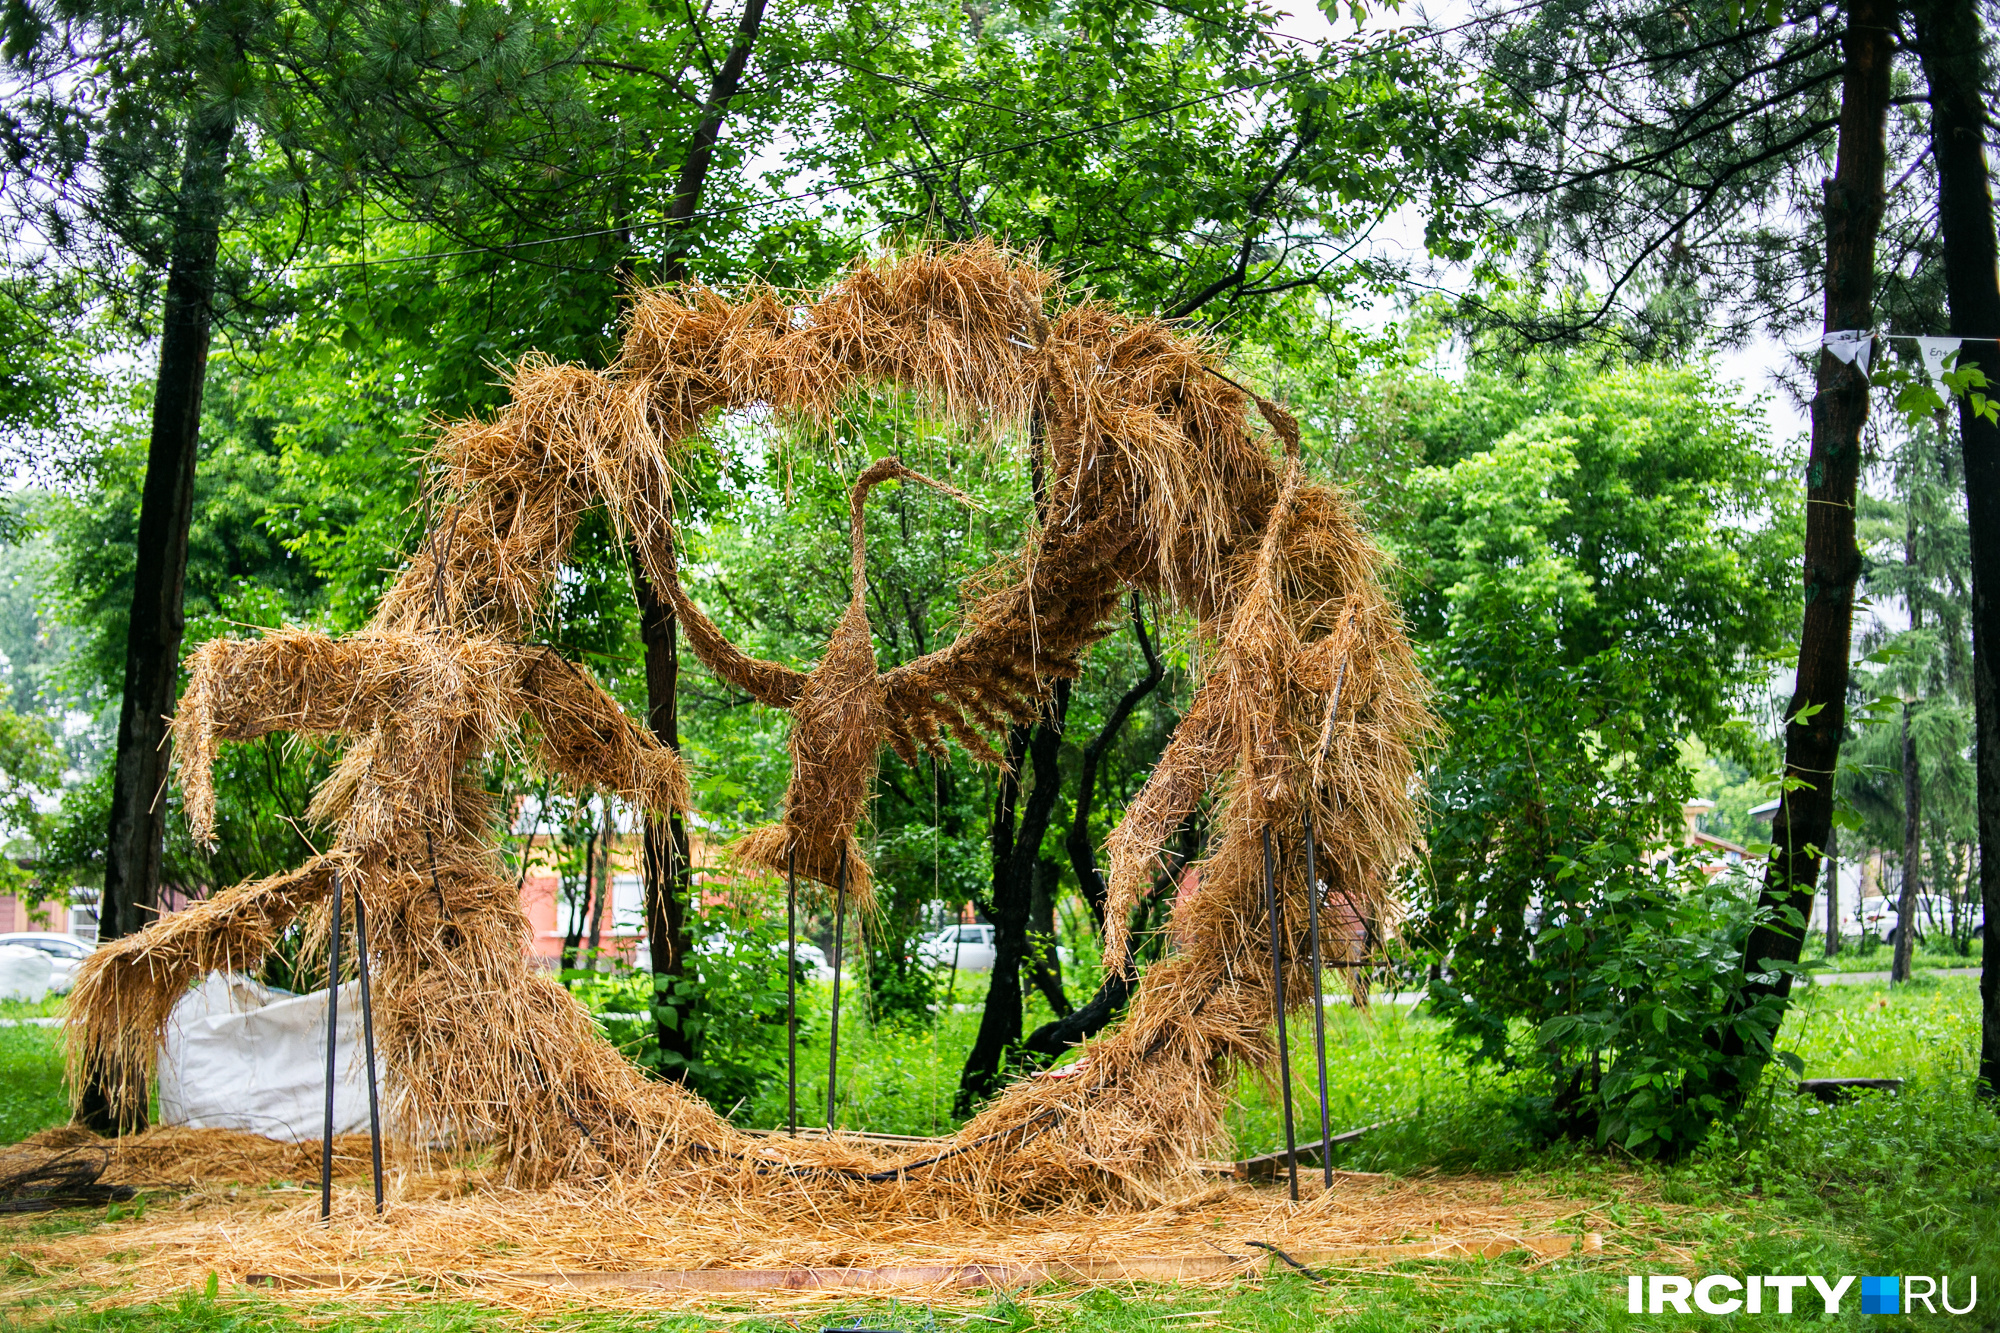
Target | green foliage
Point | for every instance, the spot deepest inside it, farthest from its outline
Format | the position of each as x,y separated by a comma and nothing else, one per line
32,1097
1179,161
1736,788
1632,509
1919,400
30,770
1917,680
240,575
1594,576
1644,986
731,1006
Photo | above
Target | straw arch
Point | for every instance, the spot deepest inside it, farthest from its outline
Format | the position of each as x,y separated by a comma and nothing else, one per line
1151,476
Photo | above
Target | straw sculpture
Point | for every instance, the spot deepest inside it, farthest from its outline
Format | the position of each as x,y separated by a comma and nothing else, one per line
1150,475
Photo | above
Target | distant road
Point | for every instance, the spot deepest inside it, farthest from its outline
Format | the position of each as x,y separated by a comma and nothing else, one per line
1858,978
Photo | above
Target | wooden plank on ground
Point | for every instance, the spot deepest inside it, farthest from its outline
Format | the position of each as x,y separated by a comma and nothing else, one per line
1271,1165
1134,1268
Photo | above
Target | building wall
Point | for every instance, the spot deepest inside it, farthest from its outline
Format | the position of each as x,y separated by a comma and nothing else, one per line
16,914
621,921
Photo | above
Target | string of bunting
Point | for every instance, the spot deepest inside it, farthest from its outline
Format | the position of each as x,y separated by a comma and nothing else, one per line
1856,346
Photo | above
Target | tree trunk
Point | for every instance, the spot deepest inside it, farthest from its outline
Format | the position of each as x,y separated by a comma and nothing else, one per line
1047,1043
1818,711
579,912
1832,893
1015,852
1913,854
1050,1040
137,833
1082,850
1044,963
1951,47
601,884
669,879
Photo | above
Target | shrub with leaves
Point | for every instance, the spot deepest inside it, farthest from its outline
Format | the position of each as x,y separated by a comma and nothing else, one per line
731,1004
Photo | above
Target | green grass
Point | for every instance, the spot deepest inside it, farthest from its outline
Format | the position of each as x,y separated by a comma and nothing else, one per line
1927,1027
31,1090
1902,1183
1874,956
1383,1062
49,1006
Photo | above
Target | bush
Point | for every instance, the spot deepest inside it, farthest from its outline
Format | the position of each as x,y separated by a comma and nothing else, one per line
731,1005
1624,1004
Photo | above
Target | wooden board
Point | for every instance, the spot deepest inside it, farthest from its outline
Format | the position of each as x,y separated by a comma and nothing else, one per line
1136,1268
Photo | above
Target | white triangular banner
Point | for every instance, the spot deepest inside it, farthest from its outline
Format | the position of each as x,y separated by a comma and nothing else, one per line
1851,346
1936,352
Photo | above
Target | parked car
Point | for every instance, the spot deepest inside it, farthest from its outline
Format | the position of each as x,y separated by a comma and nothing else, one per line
1879,915
970,947
66,954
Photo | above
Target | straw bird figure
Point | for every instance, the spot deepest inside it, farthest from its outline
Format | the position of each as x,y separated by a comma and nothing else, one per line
839,718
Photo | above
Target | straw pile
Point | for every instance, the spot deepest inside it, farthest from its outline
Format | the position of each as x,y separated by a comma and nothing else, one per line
453,1232
1150,475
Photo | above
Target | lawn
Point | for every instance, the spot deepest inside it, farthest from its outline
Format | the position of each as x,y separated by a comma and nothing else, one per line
1872,955
31,1092
1905,1183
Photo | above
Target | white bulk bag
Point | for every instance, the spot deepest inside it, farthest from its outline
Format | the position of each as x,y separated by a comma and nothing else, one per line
238,1055
24,973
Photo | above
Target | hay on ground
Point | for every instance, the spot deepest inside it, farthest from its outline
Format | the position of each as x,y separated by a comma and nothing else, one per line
455,1231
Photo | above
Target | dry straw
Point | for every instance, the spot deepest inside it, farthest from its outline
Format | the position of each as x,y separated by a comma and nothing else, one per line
460,1231
1151,477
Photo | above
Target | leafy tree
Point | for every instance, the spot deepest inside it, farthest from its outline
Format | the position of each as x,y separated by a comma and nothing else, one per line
1596,564
1911,781
1662,146
1681,150
139,134
30,767
1190,160
239,572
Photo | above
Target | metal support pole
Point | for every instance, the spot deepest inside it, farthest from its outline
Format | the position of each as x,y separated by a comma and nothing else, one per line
1278,998
833,1024
368,1045
332,1031
1319,1004
792,991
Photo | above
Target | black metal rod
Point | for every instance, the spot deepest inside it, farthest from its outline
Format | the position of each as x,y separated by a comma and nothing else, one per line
1319,1004
332,1046
368,1046
1278,997
792,991
833,1023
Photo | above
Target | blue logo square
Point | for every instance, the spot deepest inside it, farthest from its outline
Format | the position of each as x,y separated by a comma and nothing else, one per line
1881,1295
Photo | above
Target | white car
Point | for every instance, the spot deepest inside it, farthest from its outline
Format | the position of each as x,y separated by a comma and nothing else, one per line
970,947
66,954
1879,915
